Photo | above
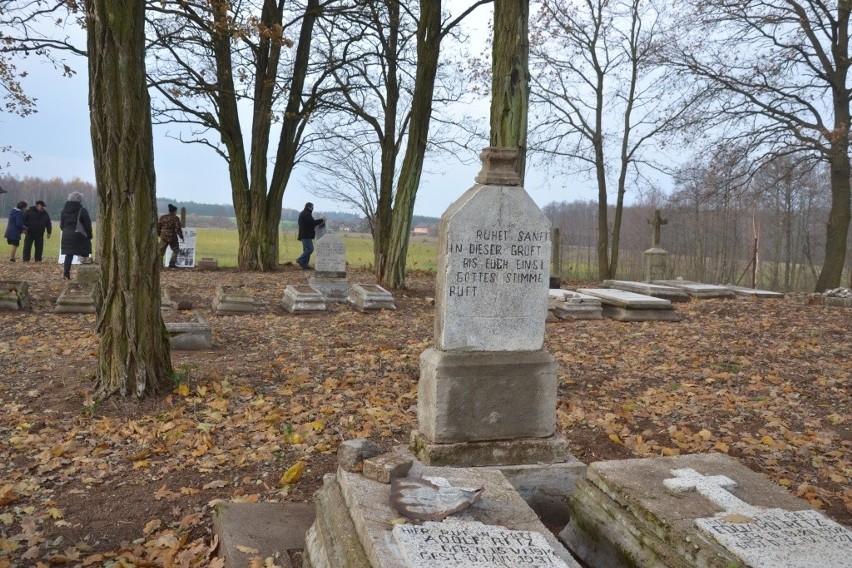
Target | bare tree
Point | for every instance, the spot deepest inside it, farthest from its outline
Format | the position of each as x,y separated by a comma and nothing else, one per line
210,59
133,356
600,100
775,73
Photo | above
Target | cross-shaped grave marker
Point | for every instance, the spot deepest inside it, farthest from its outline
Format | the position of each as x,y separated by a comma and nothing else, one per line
713,487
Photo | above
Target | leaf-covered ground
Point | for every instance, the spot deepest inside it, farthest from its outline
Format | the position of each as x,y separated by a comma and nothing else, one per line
260,417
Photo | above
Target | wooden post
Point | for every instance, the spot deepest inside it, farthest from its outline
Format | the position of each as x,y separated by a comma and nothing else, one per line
555,260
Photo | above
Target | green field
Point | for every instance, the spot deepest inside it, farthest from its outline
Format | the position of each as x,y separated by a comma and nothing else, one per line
222,245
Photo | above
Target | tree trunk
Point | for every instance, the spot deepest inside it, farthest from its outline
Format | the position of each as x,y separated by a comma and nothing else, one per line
510,83
134,357
837,227
428,51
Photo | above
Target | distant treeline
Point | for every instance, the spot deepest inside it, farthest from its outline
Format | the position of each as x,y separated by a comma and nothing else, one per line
54,192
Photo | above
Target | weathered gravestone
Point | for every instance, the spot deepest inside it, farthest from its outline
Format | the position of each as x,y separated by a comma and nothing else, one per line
669,293
76,298
754,292
192,335
208,263
356,525
233,300
303,298
487,389
166,302
14,295
697,289
329,277
622,305
566,304
697,510
371,297
656,258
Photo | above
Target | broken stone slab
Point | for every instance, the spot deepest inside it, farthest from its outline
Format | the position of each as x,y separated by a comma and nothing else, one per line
628,314
194,335
14,295
208,263
669,293
754,292
837,297
627,300
302,298
248,530
352,453
232,300
696,510
370,510
370,297
567,304
76,298
384,467
697,289
838,302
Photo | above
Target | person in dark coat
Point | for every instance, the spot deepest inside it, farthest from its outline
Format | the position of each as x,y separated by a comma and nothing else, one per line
74,243
37,221
307,233
15,228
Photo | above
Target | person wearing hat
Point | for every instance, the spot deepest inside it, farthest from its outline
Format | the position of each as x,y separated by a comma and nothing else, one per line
37,221
307,234
15,228
169,229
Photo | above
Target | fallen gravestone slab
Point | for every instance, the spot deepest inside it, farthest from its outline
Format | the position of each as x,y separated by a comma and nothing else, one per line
208,263
622,305
697,289
669,293
194,335
370,297
14,295
566,304
302,298
697,510
754,292
232,300
76,298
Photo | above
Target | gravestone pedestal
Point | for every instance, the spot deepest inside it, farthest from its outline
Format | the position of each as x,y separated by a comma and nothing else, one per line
655,264
76,298
233,300
14,295
303,298
487,389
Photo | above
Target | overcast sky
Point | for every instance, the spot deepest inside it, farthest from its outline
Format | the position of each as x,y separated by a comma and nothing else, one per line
57,138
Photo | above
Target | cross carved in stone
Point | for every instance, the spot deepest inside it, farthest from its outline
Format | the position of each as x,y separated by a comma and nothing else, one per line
657,221
713,487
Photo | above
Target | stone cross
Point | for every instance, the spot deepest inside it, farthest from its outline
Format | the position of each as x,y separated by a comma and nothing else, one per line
712,487
657,221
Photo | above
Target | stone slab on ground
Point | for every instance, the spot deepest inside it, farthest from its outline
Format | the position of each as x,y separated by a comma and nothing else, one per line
497,453
371,297
333,288
76,298
627,300
194,335
628,314
301,298
669,293
207,263
697,289
233,300
271,529
372,514
14,295
704,510
567,304
838,302
754,292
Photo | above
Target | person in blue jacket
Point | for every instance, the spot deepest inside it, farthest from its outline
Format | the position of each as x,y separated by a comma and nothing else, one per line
15,228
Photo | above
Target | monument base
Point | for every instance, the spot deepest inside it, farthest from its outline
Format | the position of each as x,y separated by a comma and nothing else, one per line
333,289
655,263
479,396
553,449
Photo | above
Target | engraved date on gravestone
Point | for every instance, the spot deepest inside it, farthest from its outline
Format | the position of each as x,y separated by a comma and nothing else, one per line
497,257
446,545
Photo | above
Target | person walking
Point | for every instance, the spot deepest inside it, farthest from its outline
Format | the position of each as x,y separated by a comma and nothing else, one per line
169,229
307,233
15,228
75,243
37,220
